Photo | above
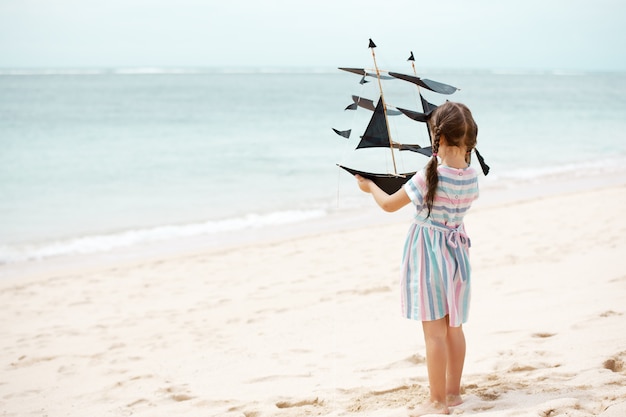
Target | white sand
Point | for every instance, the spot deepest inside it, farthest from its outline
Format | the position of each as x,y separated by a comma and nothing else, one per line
310,325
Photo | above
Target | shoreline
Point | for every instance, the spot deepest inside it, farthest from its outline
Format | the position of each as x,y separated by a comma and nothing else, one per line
364,214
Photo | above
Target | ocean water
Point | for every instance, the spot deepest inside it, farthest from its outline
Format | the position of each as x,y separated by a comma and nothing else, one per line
94,160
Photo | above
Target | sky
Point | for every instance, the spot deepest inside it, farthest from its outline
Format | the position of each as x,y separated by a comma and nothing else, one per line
569,35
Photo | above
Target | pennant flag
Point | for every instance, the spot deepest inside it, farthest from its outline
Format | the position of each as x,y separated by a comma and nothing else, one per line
344,133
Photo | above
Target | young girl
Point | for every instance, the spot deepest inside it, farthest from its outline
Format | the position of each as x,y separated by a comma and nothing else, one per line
435,282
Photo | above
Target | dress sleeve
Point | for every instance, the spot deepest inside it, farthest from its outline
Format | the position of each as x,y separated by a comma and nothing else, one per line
416,188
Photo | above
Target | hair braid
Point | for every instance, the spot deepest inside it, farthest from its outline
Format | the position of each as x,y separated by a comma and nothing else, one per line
469,138
432,177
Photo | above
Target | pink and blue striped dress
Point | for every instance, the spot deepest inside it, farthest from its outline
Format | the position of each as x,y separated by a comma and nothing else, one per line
435,263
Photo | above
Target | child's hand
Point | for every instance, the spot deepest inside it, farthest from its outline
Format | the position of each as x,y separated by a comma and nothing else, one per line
364,183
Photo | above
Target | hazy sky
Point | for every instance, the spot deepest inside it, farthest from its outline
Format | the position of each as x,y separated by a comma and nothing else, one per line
501,34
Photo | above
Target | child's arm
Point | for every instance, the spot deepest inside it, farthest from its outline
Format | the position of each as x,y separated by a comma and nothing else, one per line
393,202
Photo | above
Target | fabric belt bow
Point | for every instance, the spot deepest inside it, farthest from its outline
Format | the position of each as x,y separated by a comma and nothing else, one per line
456,237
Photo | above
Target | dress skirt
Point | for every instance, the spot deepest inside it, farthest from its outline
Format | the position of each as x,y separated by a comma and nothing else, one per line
435,279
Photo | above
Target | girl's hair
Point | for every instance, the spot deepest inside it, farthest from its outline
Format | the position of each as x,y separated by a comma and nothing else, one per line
455,122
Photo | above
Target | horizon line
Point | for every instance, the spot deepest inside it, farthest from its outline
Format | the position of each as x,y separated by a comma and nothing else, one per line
260,69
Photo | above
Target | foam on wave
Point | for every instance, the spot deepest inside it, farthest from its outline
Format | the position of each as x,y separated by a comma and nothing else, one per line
107,242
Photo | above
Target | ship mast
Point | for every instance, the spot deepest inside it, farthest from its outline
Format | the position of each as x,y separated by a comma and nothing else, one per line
419,93
412,60
372,45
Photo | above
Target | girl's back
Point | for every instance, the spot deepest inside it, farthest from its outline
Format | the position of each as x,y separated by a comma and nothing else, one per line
456,190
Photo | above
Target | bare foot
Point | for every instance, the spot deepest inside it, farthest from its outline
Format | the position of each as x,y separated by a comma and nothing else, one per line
454,400
429,408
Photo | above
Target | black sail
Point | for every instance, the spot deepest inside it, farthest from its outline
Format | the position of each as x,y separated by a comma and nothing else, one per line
431,85
369,105
428,107
417,116
364,102
344,133
365,73
376,135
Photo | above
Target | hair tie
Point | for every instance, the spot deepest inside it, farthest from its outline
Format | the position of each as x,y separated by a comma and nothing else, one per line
435,154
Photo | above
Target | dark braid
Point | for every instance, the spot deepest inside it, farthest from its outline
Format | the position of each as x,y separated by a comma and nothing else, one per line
455,122
432,177
471,135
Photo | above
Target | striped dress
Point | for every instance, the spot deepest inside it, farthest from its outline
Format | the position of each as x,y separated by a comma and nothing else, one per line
435,262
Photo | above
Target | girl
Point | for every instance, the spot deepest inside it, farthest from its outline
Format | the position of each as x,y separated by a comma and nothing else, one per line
435,267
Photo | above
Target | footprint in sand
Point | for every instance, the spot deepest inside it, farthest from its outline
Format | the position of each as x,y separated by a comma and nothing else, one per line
402,396
543,335
616,363
288,404
141,401
24,361
177,394
610,313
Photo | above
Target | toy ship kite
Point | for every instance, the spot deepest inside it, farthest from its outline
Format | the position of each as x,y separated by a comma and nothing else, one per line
377,134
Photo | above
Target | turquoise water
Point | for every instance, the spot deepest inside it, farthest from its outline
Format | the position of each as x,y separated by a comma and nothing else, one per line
92,160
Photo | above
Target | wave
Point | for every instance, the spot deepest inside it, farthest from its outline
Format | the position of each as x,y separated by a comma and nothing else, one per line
165,71
108,242
575,169
101,71
40,72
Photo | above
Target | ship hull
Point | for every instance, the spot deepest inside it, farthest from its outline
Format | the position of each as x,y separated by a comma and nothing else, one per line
389,183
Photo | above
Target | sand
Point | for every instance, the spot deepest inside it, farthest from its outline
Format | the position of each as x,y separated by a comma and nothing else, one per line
309,324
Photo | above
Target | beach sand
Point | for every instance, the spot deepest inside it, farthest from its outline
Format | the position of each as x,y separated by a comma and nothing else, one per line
309,324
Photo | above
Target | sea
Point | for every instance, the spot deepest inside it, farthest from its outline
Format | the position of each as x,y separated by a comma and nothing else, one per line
96,160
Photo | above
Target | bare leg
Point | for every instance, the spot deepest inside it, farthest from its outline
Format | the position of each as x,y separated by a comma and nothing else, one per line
456,359
435,336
